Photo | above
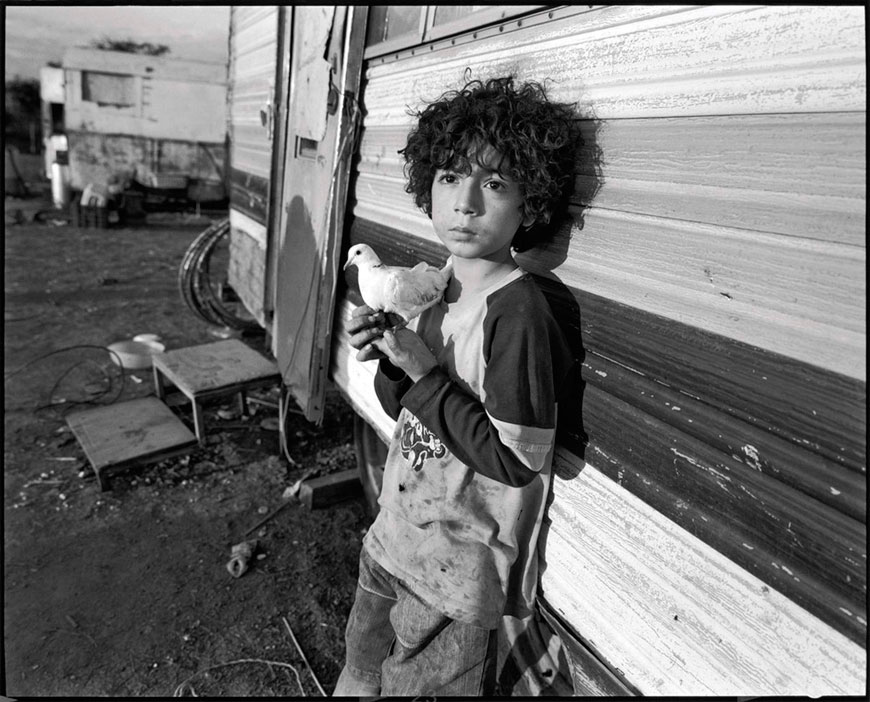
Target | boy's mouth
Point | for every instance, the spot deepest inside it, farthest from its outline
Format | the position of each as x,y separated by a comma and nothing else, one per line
463,230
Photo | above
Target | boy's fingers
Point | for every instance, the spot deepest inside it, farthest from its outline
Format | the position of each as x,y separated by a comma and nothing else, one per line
364,336
361,311
369,353
359,322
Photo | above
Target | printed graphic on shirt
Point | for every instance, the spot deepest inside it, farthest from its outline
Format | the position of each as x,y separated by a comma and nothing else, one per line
418,443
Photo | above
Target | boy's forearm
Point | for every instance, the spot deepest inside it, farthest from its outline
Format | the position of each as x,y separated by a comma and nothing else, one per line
391,384
461,422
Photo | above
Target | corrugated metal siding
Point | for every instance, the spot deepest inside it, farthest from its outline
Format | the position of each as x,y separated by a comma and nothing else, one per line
721,267
254,51
776,187
253,65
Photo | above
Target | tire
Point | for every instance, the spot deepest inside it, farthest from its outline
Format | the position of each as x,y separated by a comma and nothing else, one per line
371,453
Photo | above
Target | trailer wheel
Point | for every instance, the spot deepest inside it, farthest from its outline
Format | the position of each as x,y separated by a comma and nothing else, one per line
371,453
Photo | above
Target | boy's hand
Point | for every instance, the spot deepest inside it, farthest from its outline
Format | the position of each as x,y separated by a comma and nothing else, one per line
366,326
406,350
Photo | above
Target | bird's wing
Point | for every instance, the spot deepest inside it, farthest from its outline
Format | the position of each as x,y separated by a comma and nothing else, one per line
407,289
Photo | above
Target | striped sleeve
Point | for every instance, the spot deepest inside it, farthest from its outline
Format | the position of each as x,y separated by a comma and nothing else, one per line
508,436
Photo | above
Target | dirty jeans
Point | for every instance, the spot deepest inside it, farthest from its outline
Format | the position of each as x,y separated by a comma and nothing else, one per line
399,645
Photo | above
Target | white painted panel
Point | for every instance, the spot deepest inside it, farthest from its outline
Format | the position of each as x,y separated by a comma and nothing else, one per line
801,298
253,62
704,61
356,379
675,616
256,231
801,175
187,111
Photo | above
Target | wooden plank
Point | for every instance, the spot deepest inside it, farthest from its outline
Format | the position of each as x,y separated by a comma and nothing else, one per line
330,489
704,626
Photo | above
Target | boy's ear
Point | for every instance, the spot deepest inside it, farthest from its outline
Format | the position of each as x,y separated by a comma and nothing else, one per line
528,219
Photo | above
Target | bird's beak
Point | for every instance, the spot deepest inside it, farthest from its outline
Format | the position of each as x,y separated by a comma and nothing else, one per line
348,264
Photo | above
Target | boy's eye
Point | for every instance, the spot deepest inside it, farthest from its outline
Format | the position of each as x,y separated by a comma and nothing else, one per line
447,178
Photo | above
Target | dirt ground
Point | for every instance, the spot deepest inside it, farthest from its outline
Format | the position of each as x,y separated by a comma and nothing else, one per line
126,592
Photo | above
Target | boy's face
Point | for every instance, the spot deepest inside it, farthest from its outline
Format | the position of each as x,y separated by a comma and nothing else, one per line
477,213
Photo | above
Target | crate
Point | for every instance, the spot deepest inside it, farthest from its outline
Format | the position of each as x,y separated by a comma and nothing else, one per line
88,216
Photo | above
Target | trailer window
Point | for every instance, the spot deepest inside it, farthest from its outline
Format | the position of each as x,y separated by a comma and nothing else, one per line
396,24
395,27
108,89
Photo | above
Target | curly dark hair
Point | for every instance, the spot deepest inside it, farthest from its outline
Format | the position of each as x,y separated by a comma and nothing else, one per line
537,138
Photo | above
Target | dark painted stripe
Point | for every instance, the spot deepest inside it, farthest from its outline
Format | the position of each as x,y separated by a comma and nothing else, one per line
249,194
717,470
811,407
754,448
806,550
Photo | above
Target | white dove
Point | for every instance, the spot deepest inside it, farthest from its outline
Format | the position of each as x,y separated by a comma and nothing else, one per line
398,290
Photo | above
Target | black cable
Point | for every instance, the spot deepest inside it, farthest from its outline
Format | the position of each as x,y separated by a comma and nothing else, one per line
70,369
194,281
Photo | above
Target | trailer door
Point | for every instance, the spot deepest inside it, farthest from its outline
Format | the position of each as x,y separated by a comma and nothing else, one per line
322,114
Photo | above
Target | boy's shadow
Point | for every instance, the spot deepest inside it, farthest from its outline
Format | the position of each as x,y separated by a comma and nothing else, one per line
542,262
532,644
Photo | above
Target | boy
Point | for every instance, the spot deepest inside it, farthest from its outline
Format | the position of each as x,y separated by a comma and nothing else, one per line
474,391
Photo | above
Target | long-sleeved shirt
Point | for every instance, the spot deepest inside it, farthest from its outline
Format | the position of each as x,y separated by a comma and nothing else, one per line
468,470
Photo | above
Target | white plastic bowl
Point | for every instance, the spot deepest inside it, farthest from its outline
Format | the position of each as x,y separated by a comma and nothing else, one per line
147,338
135,355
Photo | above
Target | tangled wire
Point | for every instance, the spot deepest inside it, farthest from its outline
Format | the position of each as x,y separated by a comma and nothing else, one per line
194,281
86,374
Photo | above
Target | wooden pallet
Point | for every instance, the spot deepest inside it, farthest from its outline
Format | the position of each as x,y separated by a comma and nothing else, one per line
124,434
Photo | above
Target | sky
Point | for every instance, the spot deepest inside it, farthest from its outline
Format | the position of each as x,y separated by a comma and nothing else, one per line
39,33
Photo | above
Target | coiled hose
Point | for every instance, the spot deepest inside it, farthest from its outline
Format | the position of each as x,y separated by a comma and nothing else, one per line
195,285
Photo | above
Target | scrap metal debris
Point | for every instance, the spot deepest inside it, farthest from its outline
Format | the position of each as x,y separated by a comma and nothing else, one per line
240,558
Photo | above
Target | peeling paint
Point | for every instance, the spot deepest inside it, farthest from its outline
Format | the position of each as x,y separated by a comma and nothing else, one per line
601,373
675,409
834,491
752,458
747,546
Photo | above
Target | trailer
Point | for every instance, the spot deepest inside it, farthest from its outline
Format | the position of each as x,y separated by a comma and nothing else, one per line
124,117
707,530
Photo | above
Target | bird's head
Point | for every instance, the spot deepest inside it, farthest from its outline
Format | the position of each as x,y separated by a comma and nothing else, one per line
361,255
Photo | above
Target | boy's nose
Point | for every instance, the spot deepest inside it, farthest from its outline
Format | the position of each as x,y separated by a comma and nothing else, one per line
467,199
